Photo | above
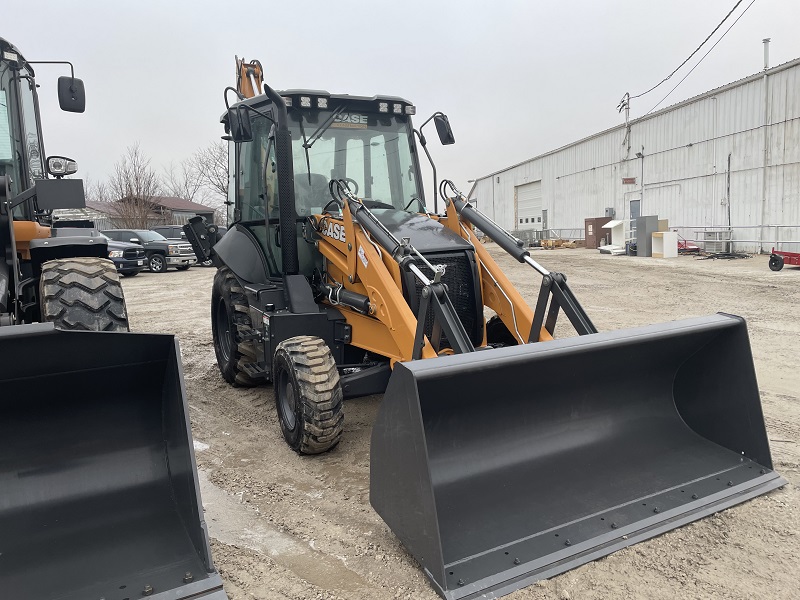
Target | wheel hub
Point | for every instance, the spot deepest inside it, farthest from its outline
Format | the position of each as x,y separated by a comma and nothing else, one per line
288,402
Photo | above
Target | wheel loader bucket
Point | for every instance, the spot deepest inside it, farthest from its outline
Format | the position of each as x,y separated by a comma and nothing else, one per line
501,467
98,484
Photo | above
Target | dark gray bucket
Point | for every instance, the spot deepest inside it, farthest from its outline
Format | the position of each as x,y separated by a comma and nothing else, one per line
98,484
501,467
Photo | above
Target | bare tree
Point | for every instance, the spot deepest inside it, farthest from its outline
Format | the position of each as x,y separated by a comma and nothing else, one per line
211,165
95,191
133,186
184,181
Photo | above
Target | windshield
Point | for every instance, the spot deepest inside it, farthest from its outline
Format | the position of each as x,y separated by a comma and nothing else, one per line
149,236
371,151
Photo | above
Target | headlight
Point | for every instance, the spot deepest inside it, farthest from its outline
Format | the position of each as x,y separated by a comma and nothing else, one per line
174,249
115,253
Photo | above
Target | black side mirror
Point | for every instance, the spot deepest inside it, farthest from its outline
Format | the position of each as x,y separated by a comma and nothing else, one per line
443,129
239,124
71,94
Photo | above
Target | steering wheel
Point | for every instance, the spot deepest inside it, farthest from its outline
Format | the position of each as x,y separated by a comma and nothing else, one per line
352,184
327,206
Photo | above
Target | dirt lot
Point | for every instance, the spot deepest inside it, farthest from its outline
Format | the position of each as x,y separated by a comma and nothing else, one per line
285,526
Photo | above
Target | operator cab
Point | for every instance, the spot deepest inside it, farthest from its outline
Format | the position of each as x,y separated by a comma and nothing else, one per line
368,142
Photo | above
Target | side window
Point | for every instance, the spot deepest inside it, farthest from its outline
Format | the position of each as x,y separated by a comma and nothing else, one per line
231,182
253,174
33,151
271,183
5,130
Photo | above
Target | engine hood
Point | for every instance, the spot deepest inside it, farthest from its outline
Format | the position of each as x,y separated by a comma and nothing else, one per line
426,234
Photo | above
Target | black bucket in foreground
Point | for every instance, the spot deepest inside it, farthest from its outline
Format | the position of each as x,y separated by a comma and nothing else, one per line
501,467
98,484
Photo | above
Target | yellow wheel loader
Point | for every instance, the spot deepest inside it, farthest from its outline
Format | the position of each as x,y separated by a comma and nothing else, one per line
98,485
499,455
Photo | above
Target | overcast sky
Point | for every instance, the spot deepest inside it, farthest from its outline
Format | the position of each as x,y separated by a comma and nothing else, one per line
516,78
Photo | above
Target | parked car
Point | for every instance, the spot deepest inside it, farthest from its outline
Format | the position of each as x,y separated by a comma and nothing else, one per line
175,232
161,253
130,259
171,232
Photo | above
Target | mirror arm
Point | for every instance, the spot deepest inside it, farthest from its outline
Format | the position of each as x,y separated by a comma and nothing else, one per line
423,143
55,62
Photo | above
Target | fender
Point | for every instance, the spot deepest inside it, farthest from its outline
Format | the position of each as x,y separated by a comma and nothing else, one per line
240,251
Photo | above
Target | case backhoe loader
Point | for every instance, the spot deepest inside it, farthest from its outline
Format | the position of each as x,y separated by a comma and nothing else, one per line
492,458
98,485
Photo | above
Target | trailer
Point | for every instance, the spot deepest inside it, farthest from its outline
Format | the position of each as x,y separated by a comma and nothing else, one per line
778,258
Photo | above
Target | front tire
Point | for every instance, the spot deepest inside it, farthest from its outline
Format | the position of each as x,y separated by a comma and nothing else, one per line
308,395
230,315
82,294
775,262
183,267
157,263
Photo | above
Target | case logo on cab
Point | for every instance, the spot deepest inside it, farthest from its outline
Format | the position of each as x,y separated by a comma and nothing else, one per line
334,231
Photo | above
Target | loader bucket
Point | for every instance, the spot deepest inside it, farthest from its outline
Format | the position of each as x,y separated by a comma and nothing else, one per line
501,467
98,484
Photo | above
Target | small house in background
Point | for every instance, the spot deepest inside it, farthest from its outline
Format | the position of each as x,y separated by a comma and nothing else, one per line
181,210
162,210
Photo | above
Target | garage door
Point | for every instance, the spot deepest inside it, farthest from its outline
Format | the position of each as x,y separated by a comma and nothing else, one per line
529,206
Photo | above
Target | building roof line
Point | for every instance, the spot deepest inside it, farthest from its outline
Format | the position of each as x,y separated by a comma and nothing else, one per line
621,126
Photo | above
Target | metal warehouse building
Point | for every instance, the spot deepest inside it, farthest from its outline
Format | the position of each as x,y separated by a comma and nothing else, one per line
724,161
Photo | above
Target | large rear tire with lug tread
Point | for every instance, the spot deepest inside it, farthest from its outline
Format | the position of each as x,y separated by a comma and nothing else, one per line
308,395
82,294
230,318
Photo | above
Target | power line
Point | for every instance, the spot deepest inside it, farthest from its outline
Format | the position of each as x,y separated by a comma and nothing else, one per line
692,54
701,60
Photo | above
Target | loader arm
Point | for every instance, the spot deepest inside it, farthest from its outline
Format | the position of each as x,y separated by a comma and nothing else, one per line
554,294
499,294
371,270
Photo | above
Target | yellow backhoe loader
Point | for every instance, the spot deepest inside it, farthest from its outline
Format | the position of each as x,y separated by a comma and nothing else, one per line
499,455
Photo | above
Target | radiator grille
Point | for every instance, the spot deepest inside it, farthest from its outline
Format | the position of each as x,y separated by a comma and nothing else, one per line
133,253
460,280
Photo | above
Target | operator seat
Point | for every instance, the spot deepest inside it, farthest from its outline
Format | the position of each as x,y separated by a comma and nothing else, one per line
310,198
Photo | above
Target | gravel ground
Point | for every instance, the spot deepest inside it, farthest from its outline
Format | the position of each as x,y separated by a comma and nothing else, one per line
285,526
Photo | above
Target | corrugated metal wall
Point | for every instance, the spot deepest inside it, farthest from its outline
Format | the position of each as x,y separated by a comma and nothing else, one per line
684,166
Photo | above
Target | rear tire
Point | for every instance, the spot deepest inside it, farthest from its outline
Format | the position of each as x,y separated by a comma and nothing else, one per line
157,263
308,395
775,262
82,294
230,316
